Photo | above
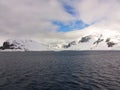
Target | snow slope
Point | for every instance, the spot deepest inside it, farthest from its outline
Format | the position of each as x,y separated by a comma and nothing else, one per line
92,38
23,45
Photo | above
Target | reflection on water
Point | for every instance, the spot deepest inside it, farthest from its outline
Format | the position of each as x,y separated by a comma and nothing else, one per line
88,70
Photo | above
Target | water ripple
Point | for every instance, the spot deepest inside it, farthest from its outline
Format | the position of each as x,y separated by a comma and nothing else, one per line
60,71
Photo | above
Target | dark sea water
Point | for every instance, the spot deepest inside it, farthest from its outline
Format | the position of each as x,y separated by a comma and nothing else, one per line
70,70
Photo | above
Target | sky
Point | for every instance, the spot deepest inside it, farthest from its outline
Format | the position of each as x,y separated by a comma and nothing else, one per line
53,19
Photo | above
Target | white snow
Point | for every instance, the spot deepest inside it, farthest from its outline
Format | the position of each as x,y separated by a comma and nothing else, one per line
94,33
27,45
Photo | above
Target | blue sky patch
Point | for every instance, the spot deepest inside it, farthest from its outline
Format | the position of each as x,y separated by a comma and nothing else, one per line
62,27
69,9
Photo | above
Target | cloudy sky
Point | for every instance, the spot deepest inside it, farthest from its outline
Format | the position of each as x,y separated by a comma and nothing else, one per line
42,19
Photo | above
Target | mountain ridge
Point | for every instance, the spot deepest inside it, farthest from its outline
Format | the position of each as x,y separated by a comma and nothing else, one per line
90,40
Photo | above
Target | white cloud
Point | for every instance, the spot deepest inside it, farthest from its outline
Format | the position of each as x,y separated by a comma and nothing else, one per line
91,11
31,18
105,14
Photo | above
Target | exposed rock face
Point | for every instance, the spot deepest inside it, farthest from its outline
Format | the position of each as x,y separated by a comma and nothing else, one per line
69,44
108,39
85,39
82,40
110,43
99,40
8,45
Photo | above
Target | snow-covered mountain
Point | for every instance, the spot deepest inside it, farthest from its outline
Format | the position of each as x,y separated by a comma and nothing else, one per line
23,45
87,40
93,40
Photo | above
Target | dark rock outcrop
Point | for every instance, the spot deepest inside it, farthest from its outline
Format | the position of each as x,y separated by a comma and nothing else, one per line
99,40
85,39
108,39
8,45
69,44
110,44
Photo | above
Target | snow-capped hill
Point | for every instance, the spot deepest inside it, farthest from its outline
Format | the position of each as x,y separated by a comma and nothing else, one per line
95,40
90,39
25,45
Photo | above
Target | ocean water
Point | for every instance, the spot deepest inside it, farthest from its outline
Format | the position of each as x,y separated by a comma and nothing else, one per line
67,70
